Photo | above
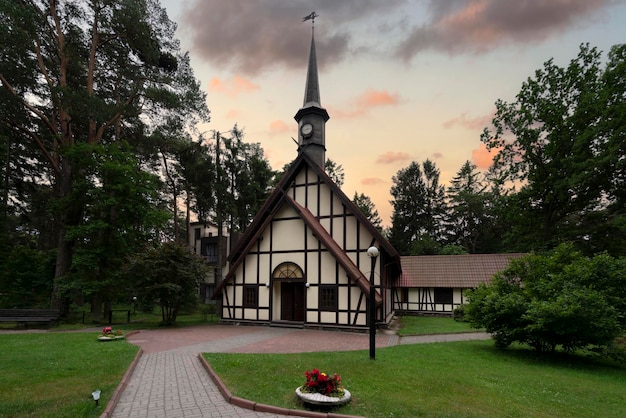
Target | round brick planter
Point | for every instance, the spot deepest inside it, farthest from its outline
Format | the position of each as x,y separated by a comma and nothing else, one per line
319,399
117,337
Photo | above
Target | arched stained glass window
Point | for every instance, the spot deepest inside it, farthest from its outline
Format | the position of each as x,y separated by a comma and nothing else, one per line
288,270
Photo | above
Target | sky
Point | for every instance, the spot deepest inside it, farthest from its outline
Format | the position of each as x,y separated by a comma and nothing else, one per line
402,80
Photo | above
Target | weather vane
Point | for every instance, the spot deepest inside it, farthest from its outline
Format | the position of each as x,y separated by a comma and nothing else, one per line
311,17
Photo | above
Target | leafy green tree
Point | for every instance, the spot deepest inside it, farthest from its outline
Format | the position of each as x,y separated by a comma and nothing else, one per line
89,72
612,126
250,178
562,299
418,210
167,275
197,167
452,249
425,245
121,214
500,211
469,209
562,140
254,185
407,192
25,277
435,207
368,208
605,227
335,172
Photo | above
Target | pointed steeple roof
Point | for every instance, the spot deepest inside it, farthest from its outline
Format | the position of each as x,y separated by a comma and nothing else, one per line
312,103
312,117
312,87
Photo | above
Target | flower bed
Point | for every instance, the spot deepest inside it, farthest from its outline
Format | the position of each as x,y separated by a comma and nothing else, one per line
322,389
109,335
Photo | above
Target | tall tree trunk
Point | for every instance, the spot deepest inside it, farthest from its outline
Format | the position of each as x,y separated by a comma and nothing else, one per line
65,247
7,182
188,213
96,307
172,181
219,213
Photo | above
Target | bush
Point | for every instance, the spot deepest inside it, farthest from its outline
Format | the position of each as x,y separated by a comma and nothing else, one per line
459,313
615,351
206,310
169,276
560,300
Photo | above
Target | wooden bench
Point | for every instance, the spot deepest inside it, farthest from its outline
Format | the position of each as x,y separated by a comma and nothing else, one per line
23,316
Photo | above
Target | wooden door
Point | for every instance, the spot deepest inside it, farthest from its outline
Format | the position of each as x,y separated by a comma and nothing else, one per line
292,301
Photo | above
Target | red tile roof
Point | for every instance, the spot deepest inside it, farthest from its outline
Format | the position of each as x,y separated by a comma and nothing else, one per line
456,271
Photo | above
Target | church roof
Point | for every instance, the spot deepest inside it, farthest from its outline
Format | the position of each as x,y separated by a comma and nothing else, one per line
464,271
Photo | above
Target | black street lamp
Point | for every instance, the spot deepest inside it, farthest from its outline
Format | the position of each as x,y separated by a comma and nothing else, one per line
372,252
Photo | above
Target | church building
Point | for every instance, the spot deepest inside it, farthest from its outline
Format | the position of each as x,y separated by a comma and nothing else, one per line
304,259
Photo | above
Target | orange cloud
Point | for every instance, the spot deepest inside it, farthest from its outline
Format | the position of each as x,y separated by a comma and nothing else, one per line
468,18
278,126
482,157
233,114
391,157
372,98
368,100
476,123
232,87
437,155
370,181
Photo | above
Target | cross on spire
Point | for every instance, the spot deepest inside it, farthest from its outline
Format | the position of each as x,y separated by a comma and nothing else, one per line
311,17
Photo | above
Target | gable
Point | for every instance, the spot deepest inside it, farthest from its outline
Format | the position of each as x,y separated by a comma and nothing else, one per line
329,208
314,193
297,182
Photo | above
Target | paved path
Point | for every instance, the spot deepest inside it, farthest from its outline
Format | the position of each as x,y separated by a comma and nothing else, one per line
169,380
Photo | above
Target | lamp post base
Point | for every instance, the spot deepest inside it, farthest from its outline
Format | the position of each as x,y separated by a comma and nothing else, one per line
372,318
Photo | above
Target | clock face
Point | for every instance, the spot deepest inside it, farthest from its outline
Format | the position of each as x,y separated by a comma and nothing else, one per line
306,129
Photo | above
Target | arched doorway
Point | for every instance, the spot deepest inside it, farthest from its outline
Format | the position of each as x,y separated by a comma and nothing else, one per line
292,301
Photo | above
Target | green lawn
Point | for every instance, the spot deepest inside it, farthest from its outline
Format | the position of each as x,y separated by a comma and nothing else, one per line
420,325
53,374
138,320
464,379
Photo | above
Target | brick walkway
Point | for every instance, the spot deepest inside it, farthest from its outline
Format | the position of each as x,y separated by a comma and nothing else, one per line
169,380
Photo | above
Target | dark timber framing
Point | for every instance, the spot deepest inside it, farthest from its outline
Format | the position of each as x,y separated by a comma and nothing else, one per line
258,247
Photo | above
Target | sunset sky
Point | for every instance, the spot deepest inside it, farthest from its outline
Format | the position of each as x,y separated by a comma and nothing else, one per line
402,80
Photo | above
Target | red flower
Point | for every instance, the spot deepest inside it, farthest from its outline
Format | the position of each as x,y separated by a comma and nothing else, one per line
317,382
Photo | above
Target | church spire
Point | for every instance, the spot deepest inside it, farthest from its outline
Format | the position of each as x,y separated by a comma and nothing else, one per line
312,116
312,87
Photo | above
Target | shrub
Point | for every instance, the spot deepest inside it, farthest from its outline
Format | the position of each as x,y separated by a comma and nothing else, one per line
560,300
168,275
459,313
